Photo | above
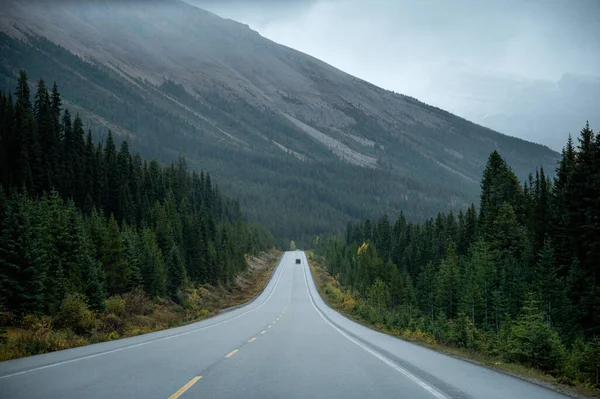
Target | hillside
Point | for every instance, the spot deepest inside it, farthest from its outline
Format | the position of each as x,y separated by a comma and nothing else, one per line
305,147
524,107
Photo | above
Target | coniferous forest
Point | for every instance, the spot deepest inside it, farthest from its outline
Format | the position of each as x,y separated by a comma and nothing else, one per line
82,221
517,279
87,225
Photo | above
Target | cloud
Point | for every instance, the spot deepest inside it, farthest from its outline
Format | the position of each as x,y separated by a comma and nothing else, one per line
540,39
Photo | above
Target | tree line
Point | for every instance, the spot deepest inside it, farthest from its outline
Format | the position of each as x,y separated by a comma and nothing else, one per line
296,199
86,218
517,278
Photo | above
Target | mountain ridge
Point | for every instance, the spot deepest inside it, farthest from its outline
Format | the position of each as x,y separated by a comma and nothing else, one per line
187,81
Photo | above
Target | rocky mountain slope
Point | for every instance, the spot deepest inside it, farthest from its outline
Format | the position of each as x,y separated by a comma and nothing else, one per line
306,147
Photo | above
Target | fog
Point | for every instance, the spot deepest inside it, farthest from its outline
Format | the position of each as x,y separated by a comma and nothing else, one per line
491,62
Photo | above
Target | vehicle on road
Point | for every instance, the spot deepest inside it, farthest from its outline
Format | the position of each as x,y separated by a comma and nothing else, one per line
298,261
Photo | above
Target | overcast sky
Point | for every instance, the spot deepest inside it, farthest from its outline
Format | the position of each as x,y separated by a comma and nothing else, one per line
414,47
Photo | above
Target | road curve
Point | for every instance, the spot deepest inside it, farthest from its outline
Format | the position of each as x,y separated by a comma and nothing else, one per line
286,344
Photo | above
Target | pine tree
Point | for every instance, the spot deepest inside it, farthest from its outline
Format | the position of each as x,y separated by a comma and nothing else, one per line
78,159
57,240
133,256
477,282
56,244
532,341
46,164
22,93
428,287
448,284
541,212
21,274
499,185
584,220
561,230
176,275
152,265
68,157
116,270
111,170
91,276
10,144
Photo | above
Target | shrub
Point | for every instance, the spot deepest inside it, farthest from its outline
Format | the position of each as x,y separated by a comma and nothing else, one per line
418,336
201,314
75,315
37,337
139,325
583,362
6,318
30,343
36,324
140,321
137,303
97,336
64,339
165,317
111,323
115,305
334,294
349,304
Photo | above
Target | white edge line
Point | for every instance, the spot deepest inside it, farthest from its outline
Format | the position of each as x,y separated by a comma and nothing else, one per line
151,341
384,359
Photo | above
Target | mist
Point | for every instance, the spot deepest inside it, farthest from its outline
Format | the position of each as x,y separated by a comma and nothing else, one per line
501,64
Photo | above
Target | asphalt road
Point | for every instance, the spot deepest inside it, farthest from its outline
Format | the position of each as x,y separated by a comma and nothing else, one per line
285,344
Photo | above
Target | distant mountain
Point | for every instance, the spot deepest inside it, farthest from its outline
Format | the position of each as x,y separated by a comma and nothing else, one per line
533,109
305,147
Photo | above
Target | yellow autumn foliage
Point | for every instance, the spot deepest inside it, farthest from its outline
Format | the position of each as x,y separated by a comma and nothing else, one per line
363,248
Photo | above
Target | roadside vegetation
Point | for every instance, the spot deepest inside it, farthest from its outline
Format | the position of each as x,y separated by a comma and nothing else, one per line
130,314
359,309
97,244
515,282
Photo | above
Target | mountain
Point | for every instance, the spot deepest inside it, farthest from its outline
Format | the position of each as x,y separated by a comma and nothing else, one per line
305,146
529,108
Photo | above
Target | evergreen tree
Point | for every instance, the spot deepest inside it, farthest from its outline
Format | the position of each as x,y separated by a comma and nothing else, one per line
21,274
448,284
176,276
116,270
152,265
520,281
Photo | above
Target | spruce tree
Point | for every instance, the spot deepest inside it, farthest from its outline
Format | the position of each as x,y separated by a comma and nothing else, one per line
176,275
152,265
21,274
114,265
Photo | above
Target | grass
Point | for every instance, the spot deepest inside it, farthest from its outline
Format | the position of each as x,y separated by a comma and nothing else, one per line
133,314
342,301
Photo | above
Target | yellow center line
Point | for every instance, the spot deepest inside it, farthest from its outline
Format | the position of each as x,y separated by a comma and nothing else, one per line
263,331
252,339
233,352
269,326
185,387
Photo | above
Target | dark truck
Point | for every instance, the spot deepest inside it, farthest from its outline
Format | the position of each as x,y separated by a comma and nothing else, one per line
298,261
